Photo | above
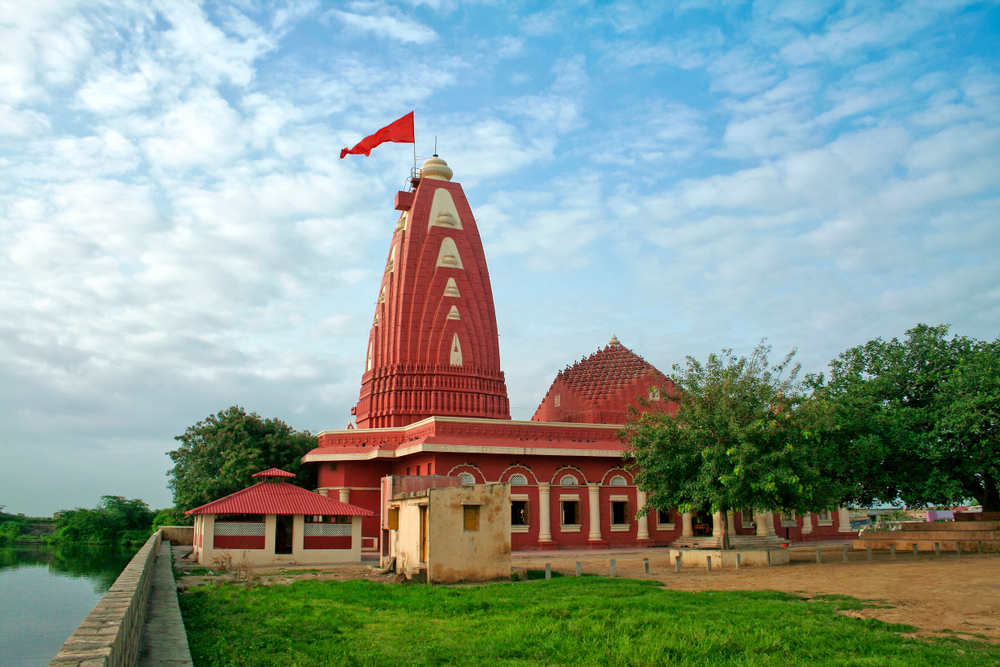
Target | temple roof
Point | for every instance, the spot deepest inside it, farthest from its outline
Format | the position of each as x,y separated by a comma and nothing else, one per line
274,472
606,371
278,498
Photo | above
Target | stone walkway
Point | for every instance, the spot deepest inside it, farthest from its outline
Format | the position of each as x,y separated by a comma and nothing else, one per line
164,642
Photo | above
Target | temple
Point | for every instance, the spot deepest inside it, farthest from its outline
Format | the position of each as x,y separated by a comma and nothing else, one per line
433,401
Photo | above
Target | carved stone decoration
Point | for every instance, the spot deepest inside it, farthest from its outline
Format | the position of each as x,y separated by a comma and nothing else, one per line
448,256
443,212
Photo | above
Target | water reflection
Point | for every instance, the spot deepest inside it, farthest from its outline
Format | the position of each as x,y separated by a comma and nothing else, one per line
46,592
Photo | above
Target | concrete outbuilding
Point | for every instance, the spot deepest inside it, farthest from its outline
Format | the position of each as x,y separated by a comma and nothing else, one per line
440,530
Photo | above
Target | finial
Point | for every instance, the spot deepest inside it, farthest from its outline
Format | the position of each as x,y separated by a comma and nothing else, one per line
614,341
437,169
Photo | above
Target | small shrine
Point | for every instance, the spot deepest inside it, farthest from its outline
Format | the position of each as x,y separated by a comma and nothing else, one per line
275,522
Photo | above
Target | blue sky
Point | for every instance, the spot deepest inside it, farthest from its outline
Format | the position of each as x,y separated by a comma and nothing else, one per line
178,235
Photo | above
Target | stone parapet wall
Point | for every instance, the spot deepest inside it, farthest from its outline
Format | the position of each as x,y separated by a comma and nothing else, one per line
178,535
111,634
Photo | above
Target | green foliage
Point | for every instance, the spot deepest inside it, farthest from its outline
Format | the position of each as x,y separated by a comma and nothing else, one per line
11,526
568,621
9,531
114,521
218,456
917,419
171,516
738,440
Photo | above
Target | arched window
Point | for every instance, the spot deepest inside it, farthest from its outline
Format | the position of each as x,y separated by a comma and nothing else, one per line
518,479
618,480
467,478
568,480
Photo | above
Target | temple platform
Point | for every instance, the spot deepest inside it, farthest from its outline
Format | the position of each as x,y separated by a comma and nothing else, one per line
947,535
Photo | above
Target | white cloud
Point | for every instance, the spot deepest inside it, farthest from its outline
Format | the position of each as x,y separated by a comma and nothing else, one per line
20,123
43,45
394,27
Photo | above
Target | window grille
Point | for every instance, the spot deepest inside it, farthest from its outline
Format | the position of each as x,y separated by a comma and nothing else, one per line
568,480
518,480
241,529
467,478
618,480
327,530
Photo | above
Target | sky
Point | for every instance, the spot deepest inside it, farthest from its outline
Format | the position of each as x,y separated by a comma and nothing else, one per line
178,234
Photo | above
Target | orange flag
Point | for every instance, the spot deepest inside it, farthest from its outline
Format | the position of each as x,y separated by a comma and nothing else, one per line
400,132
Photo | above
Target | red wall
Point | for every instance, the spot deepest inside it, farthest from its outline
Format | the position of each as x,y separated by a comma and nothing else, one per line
239,542
320,542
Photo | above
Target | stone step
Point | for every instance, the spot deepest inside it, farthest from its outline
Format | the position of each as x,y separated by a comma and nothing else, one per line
696,543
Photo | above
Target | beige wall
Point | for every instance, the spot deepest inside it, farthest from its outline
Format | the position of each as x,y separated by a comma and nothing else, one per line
208,554
454,553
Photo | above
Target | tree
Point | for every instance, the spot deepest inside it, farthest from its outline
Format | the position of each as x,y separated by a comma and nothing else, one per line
115,520
736,442
917,418
218,456
969,422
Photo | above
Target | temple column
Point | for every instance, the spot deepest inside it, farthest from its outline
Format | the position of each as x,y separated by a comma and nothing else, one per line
544,527
731,522
687,529
345,496
595,511
765,524
642,531
844,519
718,525
807,523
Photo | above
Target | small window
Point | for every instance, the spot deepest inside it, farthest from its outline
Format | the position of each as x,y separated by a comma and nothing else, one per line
654,393
824,515
568,480
471,515
333,467
619,512
429,468
519,513
418,471
467,478
662,516
618,480
557,400
407,472
571,513
518,480
393,519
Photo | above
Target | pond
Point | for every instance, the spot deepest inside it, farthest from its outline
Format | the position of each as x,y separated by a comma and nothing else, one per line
46,592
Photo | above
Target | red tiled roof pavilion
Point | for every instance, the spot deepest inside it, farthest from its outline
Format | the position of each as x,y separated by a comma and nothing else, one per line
278,497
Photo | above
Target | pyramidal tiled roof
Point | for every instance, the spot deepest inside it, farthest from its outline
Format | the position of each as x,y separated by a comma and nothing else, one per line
606,371
278,498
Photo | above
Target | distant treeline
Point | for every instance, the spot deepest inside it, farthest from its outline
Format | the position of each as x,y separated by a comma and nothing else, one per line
115,521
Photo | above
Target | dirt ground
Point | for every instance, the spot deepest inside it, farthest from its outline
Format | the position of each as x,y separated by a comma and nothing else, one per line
939,595
936,594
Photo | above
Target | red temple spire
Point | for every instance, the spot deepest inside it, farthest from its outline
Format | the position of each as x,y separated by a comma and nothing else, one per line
433,348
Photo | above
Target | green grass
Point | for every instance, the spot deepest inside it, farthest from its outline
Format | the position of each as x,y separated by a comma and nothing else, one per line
567,621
